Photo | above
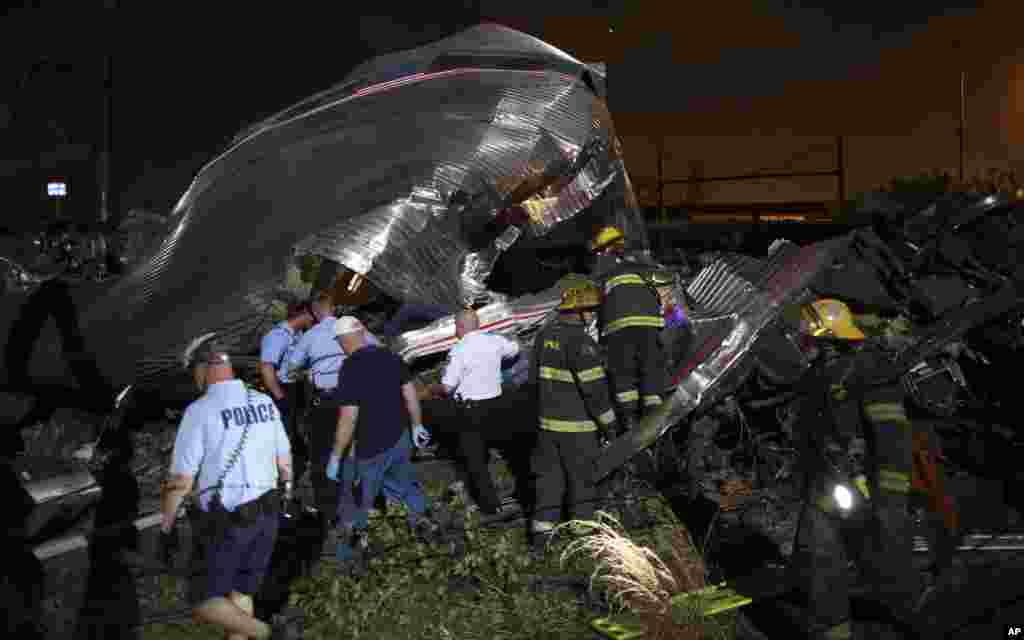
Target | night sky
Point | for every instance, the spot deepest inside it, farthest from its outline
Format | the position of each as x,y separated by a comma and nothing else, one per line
187,79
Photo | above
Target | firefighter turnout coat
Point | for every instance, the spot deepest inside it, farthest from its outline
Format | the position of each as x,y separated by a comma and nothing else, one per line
629,299
844,398
571,385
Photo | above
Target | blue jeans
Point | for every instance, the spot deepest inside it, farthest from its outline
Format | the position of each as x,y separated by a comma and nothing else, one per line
390,471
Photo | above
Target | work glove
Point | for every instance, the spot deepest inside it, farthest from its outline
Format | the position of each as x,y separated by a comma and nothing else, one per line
332,467
420,436
170,542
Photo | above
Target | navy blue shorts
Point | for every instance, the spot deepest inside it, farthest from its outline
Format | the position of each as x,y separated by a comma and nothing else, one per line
237,563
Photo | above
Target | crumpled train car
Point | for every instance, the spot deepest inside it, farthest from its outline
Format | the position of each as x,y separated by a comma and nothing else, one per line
417,171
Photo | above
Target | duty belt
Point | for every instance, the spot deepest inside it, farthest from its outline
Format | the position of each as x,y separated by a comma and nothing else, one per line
245,514
267,504
470,404
319,394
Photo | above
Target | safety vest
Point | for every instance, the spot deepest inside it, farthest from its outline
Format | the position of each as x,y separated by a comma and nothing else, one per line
629,299
572,390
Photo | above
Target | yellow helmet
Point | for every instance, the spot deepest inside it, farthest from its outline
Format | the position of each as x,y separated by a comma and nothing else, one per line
580,298
663,278
831,318
607,236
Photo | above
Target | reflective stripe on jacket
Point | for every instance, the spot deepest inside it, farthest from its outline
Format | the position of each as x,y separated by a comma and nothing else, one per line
572,390
629,300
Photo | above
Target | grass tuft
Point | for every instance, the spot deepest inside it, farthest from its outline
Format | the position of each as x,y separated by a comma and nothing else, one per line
637,578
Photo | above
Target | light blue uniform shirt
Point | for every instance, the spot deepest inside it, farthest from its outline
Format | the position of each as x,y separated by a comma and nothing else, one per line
210,432
275,347
319,349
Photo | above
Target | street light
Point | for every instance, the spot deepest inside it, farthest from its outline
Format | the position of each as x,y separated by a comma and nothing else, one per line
57,190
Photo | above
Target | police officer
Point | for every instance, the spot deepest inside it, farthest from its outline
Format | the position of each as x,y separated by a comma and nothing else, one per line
318,350
232,447
573,399
630,321
844,398
473,376
274,349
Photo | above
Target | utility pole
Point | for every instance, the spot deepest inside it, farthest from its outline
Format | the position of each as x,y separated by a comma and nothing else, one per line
106,144
963,125
840,175
660,146
962,129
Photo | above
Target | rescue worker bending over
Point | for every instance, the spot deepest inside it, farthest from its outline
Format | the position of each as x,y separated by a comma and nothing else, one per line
844,398
573,399
630,321
232,447
274,350
473,375
371,427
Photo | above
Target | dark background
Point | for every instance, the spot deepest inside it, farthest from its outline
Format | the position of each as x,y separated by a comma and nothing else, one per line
187,77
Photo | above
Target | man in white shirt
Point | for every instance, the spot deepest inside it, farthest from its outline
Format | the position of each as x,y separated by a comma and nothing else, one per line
473,377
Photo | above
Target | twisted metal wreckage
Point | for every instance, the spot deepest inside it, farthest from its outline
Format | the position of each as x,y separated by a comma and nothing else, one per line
417,171
423,167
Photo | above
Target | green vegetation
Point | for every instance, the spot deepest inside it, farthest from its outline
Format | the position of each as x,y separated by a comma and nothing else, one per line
660,587
919,190
493,591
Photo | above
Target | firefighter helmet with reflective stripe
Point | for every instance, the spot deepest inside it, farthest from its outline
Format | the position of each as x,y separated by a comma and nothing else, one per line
580,298
606,237
829,318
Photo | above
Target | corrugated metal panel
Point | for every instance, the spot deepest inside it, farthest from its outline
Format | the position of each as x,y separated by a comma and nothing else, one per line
402,172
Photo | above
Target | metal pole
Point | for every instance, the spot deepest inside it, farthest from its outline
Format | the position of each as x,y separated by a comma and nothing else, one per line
661,178
106,145
963,124
753,176
962,129
840,173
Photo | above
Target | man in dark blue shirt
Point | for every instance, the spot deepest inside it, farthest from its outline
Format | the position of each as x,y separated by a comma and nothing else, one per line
372,430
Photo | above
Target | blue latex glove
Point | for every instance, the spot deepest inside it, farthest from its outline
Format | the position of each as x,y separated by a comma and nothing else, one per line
332,467
676,318
420,436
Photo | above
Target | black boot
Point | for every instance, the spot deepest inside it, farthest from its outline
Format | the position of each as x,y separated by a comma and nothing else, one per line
427,531
625,423
541,543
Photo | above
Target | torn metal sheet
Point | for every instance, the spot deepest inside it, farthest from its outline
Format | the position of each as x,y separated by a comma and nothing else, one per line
740,306
507,317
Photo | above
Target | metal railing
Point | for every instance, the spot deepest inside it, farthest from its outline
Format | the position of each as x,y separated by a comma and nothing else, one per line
839,173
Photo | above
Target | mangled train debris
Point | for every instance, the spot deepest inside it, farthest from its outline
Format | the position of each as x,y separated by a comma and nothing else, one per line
418,171
422,169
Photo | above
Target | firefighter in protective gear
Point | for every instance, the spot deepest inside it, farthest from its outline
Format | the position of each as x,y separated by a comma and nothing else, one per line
575,409
845,398
607,237
630,322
